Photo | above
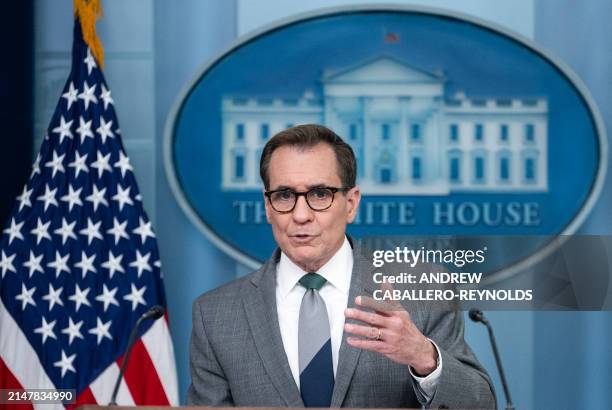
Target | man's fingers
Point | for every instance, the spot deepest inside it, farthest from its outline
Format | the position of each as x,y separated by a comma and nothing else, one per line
370,332
377,305
386,308
372,345
373,319
395,304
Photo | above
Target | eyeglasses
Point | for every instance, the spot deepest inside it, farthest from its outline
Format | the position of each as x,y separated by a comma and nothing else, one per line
318,199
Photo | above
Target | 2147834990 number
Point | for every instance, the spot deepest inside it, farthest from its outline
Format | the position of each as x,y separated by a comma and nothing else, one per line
37,396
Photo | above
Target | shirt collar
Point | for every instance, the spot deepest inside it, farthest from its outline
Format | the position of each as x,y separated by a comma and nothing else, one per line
337,271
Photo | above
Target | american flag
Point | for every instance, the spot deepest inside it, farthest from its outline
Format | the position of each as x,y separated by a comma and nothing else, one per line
79,261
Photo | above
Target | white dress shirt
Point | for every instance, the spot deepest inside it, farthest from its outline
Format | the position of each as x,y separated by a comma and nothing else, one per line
337,271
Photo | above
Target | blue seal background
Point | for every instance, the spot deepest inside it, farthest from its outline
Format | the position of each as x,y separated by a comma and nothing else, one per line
478,60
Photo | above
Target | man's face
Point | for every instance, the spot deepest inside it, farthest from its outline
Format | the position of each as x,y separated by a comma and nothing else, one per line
309,238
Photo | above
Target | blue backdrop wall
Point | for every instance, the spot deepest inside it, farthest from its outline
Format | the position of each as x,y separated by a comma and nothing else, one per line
554,360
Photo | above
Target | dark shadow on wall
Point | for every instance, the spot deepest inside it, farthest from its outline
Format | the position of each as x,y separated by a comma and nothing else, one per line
16,100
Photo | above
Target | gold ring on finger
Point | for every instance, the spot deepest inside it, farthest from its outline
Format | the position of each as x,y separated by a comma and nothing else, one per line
378,336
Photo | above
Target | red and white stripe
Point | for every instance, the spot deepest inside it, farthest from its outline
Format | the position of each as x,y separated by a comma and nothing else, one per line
149,379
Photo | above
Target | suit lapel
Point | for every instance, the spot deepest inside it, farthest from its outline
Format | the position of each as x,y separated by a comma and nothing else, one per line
260,307
348,355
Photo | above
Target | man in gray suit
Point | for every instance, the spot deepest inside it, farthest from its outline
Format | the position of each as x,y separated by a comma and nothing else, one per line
301,330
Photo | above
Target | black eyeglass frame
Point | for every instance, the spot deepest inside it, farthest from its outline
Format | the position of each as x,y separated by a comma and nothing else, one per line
305,195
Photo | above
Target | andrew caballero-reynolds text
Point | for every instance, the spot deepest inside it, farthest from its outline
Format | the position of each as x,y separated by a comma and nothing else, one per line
437,258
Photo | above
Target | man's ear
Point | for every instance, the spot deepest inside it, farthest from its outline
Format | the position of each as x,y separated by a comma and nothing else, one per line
266,204
353,196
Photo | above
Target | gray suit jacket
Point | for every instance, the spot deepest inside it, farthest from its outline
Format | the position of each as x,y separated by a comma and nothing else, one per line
237,356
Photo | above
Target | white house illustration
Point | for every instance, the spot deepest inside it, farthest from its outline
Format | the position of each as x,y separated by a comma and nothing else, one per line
409,137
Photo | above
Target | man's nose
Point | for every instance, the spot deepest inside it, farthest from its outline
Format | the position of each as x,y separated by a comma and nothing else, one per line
302,212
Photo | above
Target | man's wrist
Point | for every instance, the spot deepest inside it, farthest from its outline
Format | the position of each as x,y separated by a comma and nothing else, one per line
428,362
